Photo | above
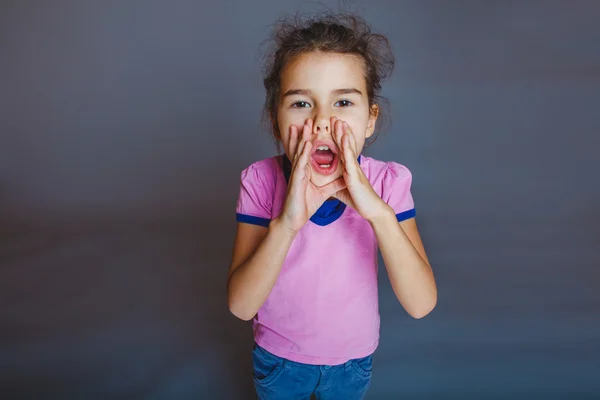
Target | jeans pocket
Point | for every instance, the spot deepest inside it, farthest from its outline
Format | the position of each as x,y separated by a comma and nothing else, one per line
363,367
267,367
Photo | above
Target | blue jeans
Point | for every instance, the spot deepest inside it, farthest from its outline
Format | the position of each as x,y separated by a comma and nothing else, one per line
278,378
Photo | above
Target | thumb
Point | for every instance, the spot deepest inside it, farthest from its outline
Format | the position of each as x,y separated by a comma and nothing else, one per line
345,197
333,187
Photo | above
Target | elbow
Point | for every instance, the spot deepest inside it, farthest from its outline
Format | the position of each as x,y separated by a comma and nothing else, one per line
238,306
424,310
241,314
238,310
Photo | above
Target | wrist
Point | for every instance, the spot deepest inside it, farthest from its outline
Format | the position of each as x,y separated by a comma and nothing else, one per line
385,213
283,228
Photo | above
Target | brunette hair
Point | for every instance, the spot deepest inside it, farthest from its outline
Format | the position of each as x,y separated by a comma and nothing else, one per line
335,33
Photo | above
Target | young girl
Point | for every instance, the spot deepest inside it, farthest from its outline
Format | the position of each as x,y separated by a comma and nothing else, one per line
310,221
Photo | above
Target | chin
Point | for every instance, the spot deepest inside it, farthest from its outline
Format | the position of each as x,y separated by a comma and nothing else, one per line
321,180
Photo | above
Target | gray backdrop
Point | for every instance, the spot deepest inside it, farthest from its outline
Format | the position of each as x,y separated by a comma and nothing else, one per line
124,128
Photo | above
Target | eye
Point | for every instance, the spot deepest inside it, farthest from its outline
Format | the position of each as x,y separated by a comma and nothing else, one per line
344,103
301,104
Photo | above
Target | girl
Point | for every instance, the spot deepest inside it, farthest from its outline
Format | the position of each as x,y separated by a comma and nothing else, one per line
310,221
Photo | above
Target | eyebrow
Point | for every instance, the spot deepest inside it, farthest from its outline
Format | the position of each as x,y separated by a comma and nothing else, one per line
307,92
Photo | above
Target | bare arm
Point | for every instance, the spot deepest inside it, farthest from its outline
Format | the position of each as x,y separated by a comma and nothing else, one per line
400,243
258,255
406,263
259,252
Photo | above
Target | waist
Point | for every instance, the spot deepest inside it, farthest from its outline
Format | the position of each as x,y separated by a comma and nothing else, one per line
317,359
316,329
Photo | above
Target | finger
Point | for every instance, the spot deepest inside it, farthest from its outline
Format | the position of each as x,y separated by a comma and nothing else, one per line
305,135
300,175
338,132
310,123
302,164
349,156
331,126
304,154
301,139
293,142
345,148
352,138
299,170
307,129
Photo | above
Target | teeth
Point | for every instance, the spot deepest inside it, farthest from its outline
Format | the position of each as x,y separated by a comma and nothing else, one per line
323,148
325,165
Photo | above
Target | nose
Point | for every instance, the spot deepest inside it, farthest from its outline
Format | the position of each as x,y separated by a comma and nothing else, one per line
321,125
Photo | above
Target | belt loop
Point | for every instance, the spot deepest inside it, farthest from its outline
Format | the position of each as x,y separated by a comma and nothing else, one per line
347,365
287,365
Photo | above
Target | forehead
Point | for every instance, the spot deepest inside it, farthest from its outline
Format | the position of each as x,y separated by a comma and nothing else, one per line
319,71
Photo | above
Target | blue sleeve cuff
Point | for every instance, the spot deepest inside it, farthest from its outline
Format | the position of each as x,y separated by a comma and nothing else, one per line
249,219
403,216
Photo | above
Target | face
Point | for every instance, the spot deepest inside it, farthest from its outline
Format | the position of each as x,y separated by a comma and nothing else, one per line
319,86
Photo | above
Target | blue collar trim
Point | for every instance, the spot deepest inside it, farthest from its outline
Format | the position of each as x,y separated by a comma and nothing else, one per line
331,210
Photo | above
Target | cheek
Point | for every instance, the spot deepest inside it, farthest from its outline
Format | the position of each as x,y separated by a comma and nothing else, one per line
284,134
286,122
358,126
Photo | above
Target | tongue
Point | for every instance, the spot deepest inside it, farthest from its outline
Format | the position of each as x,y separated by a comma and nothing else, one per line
323,157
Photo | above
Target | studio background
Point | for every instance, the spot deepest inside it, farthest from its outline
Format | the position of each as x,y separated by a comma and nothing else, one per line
125,126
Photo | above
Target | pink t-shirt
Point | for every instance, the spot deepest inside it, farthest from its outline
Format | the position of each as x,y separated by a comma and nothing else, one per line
323,308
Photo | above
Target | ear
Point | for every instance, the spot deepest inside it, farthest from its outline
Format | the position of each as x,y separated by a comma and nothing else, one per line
373,114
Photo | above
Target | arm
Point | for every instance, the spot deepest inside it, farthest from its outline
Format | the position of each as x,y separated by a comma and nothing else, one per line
260,252
400,244
406,263
258,255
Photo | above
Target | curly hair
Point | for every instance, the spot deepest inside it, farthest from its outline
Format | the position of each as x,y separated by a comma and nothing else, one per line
334,33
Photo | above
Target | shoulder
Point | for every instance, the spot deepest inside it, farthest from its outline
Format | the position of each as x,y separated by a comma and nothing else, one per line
378,171
258,184
262,171
392,182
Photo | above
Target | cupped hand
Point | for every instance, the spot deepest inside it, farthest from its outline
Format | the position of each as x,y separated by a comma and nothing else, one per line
303,198
358,194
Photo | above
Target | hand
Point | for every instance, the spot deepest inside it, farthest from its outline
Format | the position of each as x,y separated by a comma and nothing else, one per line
359,193
303,198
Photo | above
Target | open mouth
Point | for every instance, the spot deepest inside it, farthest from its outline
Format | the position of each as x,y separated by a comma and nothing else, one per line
324,158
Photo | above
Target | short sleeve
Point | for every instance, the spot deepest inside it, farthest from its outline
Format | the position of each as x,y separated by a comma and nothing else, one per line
396,193
255,200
